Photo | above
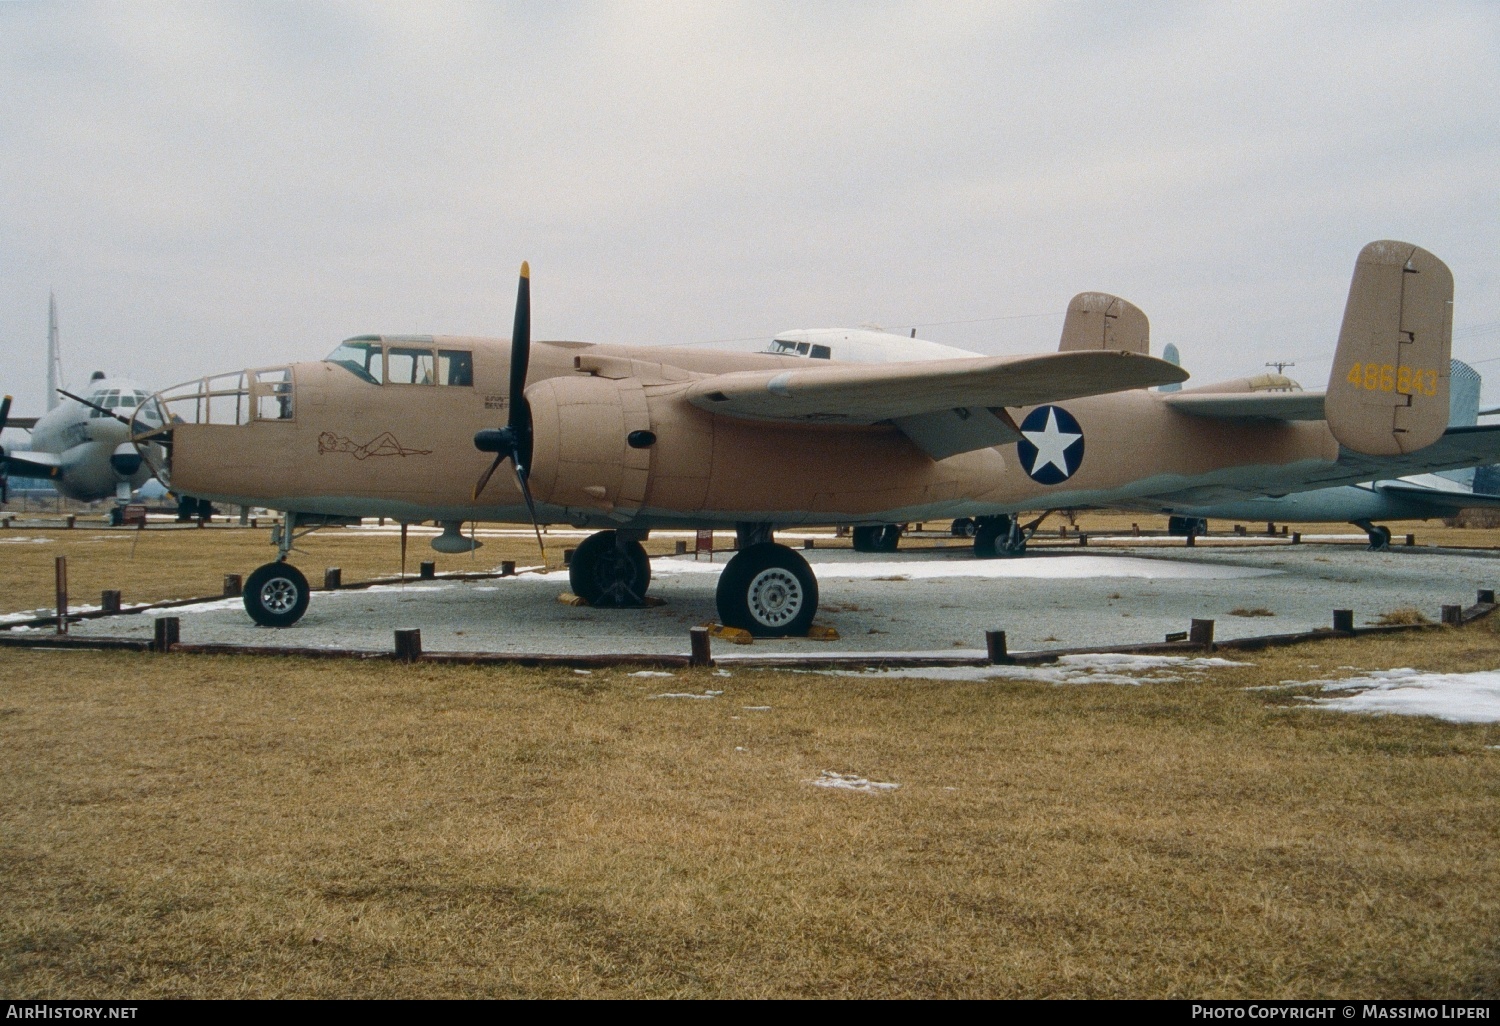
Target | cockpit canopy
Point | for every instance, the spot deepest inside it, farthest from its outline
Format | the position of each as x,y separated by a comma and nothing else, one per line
125,401
404,360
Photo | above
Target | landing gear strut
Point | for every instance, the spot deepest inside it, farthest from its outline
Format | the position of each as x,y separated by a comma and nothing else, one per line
610,569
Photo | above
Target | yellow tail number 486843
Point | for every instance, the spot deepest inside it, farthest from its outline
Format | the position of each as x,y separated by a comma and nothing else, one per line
1383,377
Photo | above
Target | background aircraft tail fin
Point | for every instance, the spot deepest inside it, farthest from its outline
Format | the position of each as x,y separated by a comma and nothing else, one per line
1388,392
1172,356
1097,320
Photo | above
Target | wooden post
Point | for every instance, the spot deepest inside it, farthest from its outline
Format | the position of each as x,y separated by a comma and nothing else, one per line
1192,540
1296,537
167,633
72,521
1343,621
1453,615
408,645
1135,530
109,602
62,593
807,543
701,654
1487,596
680,548
1201,632
428,570
1083,539
333,578
507,568
994,646
1270,527
1411,540
234,585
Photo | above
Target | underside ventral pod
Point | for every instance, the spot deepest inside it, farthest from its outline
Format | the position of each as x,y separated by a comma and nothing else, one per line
582,454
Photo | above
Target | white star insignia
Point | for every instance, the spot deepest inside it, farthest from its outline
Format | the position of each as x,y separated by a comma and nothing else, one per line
1051,444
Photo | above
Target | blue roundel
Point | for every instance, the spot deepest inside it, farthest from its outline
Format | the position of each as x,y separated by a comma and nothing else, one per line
1051,445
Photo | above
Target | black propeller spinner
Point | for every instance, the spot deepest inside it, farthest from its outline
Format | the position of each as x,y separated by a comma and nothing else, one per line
513,442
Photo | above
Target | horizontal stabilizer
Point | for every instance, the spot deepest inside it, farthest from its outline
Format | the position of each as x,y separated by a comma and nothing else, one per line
874,393
1441,498
1252,405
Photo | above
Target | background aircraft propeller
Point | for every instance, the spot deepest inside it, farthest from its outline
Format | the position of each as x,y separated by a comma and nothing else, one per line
4,461
513,442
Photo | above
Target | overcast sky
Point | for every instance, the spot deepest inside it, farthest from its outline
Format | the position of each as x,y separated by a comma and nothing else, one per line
208,186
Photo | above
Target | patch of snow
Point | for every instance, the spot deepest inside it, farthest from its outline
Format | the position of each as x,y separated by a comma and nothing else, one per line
688,694
1070,669
584,672
651,673
756,708
1456,697
849,782
25,541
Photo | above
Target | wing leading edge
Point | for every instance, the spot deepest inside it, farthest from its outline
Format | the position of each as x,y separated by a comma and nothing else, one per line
946,407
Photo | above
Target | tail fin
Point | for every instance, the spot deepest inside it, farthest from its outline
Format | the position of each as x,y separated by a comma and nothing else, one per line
1463,387
1171,355
1388,392
1097,320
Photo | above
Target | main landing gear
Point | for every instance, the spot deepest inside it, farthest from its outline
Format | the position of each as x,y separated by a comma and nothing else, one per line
1003,537
879,538
1380,536
766,588
610,569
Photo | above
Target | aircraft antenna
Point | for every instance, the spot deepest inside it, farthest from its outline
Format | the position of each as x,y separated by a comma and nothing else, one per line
54,353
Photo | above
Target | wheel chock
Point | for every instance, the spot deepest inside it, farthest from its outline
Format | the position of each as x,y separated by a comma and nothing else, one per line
822,632
733,635
567,598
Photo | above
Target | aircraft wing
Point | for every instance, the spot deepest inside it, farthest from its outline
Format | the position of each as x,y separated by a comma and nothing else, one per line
1243,405
24,423
33,464
933,402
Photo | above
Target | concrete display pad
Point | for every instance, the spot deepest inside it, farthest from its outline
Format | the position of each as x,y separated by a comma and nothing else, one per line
939,600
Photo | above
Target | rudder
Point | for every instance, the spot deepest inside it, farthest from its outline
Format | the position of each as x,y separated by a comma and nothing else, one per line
1388,391
1097,320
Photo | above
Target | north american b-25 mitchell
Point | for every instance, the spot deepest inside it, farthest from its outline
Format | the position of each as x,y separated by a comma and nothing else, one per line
629,439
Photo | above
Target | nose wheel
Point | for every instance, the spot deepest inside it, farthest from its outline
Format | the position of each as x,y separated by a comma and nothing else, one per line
276,595
768,590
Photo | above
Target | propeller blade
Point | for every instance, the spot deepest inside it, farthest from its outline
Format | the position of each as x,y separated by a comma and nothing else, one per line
531,508
4,463
95,406
4,412
520,353
484,478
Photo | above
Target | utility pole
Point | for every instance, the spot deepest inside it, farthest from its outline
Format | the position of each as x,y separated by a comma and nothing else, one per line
1280,365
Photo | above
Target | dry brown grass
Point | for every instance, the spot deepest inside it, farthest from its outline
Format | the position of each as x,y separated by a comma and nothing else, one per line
1403,616
177,826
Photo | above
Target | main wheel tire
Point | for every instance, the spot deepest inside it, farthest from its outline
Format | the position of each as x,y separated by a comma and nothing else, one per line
989,535
888,538
963,527
866,538
276,595
768,590
610,575
1380,538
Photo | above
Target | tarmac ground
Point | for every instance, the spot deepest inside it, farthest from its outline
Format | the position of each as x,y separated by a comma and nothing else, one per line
915,600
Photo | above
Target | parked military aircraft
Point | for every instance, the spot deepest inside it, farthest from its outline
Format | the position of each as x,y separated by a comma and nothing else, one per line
629,439
82,444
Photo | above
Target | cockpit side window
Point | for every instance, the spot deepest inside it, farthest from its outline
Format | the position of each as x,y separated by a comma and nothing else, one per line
406,365
821,353
365,359
801,348
455,367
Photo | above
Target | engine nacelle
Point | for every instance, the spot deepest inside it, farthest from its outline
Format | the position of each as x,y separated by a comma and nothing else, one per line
591,443
126,460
